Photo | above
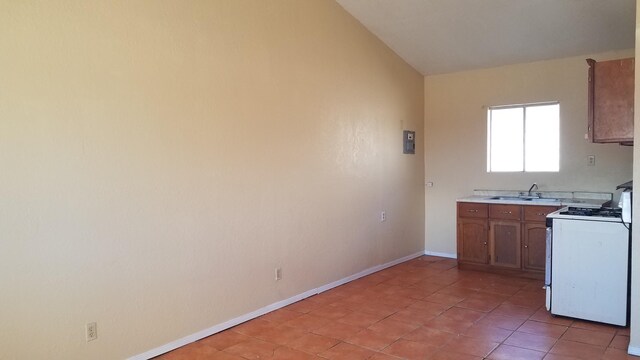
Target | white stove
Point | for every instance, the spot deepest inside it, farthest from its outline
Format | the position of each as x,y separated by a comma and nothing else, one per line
588,214
587,270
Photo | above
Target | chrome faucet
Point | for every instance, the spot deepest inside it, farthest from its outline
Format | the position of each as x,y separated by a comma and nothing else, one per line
531,188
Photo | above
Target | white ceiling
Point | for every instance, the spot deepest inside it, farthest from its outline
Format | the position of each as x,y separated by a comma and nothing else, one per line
442,36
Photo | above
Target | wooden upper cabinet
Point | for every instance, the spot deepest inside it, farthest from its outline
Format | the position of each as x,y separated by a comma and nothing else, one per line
611,88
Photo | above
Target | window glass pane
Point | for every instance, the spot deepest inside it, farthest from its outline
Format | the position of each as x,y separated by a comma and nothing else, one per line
542,138
506,136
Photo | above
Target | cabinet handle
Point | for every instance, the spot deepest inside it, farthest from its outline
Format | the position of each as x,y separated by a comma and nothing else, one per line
485,243
541,214
526,246
506,212
472,210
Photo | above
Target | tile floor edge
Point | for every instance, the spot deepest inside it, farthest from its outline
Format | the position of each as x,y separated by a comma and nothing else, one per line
277,305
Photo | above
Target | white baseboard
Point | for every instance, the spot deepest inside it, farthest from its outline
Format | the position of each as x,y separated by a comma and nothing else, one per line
269,308
441,254
633,350
220,327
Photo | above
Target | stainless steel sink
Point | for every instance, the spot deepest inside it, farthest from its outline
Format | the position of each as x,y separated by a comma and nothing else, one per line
545,200
512,198
524,198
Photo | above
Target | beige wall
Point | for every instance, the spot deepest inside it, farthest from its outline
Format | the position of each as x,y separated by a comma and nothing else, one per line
161,158
455,137
634,344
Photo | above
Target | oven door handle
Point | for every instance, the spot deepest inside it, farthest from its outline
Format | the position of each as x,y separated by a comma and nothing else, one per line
547,267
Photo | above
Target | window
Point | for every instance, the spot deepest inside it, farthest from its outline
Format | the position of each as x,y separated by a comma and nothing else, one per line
523,138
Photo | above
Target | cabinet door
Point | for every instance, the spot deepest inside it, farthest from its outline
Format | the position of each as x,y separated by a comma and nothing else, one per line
472,241
533,246
611,100
504,240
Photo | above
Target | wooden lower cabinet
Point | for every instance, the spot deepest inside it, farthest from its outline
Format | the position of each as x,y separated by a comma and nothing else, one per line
472,241
534,246
504,240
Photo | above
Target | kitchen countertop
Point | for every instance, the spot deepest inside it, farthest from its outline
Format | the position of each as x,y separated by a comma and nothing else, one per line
548,198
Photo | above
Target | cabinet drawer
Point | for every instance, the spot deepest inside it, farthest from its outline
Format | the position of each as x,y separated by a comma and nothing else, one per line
507,212
537,213
472,210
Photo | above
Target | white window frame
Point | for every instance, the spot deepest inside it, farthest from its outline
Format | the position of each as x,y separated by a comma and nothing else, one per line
524,122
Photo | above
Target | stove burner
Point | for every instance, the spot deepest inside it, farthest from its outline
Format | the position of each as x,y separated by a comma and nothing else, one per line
602,212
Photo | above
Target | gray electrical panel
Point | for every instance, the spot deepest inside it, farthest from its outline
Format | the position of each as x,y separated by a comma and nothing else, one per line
409,142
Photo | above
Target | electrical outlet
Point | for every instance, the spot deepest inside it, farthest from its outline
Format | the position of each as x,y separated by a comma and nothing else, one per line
383,216
591,160
278,274
92,331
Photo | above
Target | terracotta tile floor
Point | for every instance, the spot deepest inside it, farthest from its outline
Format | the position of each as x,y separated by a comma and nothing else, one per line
421,309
